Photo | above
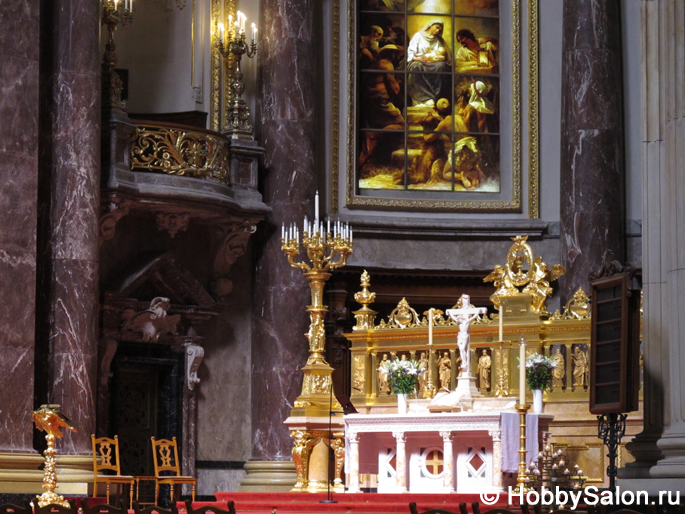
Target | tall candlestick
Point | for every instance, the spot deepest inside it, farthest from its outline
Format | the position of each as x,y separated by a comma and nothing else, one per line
430,326
522,372
501,321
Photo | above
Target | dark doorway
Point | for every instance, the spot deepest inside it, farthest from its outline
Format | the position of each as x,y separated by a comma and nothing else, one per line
146,402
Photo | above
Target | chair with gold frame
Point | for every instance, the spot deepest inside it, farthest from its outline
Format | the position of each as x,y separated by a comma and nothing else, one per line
165,457
106,458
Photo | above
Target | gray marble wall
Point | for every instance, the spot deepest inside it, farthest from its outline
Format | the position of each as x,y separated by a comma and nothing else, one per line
19,27
69,213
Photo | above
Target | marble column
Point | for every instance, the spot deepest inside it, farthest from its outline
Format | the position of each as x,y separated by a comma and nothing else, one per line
20,29
286,127
68,224
401,462
592,163
496,458
353,439
447,462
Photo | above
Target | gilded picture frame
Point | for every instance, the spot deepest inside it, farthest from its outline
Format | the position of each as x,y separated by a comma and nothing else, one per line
345,173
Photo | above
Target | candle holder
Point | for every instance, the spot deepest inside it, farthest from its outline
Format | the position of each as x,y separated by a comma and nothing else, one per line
522,479
325,252
112,85
49,420
238,113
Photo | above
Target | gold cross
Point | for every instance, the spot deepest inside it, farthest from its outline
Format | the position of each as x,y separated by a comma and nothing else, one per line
435,461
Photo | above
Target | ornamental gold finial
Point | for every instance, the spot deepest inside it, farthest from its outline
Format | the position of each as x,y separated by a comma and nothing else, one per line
536,279
49,419
365,316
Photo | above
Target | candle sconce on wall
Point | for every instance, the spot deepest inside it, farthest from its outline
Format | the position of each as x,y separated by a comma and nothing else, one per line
113,13
229,43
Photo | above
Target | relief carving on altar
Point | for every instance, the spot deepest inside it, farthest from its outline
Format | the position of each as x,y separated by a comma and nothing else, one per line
358,372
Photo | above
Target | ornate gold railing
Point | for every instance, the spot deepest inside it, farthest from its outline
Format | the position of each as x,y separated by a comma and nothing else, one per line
180,150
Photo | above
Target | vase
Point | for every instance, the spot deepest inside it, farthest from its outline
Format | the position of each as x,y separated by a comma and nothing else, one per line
402,403
537,401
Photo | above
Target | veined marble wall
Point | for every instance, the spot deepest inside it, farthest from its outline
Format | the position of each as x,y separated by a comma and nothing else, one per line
20,29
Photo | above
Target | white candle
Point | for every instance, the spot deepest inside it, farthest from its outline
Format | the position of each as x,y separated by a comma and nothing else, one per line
254,31
522,372
316,207
350,235
430,326
221,32
235,29
501,321
115,3
328,226
283,231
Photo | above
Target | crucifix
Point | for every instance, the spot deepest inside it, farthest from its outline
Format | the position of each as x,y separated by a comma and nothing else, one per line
465,315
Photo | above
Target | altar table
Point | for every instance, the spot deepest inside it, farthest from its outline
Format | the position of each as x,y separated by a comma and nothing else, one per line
429,440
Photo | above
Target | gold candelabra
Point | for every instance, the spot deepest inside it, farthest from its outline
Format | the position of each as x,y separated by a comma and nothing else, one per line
113,13
326,251
49,420
235,43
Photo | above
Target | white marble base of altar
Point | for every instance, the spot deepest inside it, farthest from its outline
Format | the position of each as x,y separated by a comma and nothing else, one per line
427,453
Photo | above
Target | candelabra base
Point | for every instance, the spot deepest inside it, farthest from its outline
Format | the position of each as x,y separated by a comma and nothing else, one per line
316,399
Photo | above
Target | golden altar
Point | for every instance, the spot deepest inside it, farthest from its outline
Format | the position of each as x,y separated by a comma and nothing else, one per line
563,336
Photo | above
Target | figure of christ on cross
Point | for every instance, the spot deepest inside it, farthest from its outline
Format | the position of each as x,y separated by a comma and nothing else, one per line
465,315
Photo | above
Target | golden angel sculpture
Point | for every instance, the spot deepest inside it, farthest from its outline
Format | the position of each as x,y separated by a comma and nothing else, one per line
536,279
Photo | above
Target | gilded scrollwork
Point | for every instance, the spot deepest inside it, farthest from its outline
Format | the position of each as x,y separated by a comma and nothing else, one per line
180,152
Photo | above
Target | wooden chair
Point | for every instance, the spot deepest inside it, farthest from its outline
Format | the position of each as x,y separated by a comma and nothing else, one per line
101,509
210,509
166,462
154,509
8,508
414,510
106,458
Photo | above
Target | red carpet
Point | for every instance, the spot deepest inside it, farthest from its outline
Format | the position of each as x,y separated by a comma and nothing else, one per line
266,503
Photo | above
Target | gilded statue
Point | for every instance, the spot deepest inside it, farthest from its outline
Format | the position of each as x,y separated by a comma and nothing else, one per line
423,366
536,280
483,370
539,287
445,371
559,371
383,387
503,284
580,368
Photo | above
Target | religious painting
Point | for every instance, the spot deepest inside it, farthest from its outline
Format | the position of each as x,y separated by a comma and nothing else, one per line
428,98
433,106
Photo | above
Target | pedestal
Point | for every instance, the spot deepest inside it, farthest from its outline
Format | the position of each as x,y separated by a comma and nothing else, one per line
467,386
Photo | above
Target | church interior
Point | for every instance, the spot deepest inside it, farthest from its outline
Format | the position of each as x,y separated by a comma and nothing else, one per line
231,222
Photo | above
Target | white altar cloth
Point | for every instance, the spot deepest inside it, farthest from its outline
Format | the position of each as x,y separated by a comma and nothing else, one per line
446,452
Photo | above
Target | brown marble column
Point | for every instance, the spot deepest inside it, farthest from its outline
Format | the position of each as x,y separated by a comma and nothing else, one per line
286,128
592,162
20,28
69,191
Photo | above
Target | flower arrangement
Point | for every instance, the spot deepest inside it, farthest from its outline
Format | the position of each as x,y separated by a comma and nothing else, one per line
539,371
403,375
